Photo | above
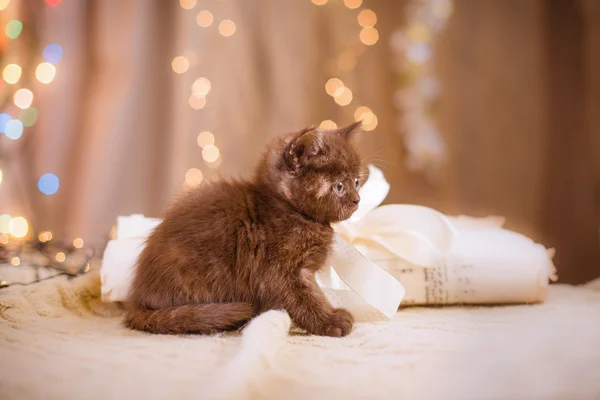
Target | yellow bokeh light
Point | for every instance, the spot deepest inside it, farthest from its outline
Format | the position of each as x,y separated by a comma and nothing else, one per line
187,4
334,87
345,98
193,177
45,72
210,153
363,114
370,123
18,227
4,238
60,256
4,223
12,73
205,139
23,98
352,3
319,2
204,18
4,4
201,86
227,27
78,243
369,36
367,18
16,261
197,102
419,32
328,124
215,164
180,64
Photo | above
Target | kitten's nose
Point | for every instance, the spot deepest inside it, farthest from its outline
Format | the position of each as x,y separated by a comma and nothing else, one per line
356,200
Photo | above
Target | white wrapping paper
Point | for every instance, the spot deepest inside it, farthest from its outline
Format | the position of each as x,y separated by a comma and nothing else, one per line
386,255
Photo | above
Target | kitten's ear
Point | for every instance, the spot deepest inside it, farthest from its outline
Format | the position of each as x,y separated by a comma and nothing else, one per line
347,131
308,143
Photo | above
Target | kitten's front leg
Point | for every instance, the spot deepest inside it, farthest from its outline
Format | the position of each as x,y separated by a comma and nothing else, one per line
309,309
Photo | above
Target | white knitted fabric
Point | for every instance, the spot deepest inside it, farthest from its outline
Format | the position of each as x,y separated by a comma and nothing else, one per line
59,341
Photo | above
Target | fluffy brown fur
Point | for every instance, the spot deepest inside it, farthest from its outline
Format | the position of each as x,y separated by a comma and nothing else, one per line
229,250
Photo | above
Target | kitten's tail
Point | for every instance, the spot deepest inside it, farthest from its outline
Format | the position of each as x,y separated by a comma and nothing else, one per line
193,318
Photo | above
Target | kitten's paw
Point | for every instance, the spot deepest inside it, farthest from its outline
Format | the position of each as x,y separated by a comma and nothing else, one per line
340,324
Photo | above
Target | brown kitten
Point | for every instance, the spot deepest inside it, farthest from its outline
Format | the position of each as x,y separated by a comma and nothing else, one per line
229,250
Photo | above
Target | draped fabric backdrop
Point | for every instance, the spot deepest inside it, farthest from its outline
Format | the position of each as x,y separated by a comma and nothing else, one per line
518,113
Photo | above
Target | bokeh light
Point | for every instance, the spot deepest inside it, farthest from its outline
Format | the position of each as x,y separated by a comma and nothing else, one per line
205,139
52,53
18,227
12,73
13,29
215,164
4,223
369,36
328,124
60,256
319,2
334,87
4,238
180,64
4,4
45,236
227,27
197,102
45,72
187,4
78,243
201,86
14,129
28,116
370,123
48,184
204,18
367,18
4,118
363,113
15,261
23,98
210,153
344,98
53,3
193,177
352,4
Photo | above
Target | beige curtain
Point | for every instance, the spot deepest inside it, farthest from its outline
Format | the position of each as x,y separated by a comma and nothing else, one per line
116,127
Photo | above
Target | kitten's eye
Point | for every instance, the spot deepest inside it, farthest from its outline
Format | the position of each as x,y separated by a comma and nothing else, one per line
356,182
339,188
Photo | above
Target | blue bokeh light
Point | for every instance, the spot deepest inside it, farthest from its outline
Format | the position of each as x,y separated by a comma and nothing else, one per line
48,184
4,118
13,129
52,53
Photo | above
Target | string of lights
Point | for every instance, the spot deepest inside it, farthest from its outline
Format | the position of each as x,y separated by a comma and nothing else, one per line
200,89
22,61
346,61
418,87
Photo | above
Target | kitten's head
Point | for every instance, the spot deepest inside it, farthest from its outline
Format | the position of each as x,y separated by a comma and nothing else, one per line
317,171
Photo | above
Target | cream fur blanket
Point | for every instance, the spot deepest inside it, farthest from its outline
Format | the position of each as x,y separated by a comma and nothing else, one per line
58,341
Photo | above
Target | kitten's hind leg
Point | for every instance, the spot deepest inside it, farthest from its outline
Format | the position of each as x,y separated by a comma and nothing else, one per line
308,307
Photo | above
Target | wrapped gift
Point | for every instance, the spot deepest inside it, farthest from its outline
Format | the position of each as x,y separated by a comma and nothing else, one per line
385,255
